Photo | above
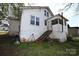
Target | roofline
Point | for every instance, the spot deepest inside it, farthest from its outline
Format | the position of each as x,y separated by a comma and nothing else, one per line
38,7
58,15
74,27
62,16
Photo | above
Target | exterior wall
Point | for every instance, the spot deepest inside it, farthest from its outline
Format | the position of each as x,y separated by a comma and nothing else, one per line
57,31
30,32
13,27
65,27
45,18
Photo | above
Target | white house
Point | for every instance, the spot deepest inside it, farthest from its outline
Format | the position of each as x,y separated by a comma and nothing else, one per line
36,20
33,22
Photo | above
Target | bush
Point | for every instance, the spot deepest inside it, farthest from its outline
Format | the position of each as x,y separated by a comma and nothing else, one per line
69,38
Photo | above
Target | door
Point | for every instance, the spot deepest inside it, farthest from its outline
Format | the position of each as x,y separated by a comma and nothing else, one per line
49,25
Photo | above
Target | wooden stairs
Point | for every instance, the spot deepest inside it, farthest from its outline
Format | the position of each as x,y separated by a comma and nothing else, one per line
44,36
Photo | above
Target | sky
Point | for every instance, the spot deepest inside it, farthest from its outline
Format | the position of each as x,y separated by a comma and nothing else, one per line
55,7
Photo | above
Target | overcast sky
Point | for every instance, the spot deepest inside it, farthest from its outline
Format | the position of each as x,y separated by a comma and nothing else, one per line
73,20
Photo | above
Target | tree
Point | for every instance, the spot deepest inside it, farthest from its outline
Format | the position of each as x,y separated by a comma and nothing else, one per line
11,7
69,5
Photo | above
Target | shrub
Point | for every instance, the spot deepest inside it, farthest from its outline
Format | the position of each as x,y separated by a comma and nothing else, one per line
69,38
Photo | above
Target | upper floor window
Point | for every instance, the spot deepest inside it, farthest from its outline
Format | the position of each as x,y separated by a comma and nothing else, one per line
46,13
32,20
37,21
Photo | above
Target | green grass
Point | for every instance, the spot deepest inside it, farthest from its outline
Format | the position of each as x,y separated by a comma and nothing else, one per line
47,49
68,48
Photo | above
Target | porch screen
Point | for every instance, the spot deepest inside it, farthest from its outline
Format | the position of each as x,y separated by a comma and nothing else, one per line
60,21
54,21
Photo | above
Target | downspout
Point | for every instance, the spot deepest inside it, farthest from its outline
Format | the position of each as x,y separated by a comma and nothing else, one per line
62,21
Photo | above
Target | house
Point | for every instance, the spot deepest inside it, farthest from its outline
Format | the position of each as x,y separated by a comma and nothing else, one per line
33,22
73,31
39,21
13,27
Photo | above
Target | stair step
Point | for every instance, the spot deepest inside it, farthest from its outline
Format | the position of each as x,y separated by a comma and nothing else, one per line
44,36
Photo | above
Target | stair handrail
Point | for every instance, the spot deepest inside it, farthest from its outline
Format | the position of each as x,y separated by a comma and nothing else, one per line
32,37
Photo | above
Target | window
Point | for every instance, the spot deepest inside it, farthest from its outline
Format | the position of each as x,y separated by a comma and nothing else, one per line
60,21
0,22
45,22
65,22
32,20
54,21
45,12
37,21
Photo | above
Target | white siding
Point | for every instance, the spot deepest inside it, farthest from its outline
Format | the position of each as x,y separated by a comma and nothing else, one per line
57,31
27,29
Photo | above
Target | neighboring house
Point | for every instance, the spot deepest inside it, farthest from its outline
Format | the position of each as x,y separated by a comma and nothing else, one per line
12,17
13,27
36,20
73,31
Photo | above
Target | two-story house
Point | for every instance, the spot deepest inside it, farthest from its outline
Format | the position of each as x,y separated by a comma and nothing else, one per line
36,20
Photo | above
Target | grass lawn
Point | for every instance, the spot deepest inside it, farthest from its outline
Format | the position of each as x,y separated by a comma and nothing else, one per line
42,49
55,48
